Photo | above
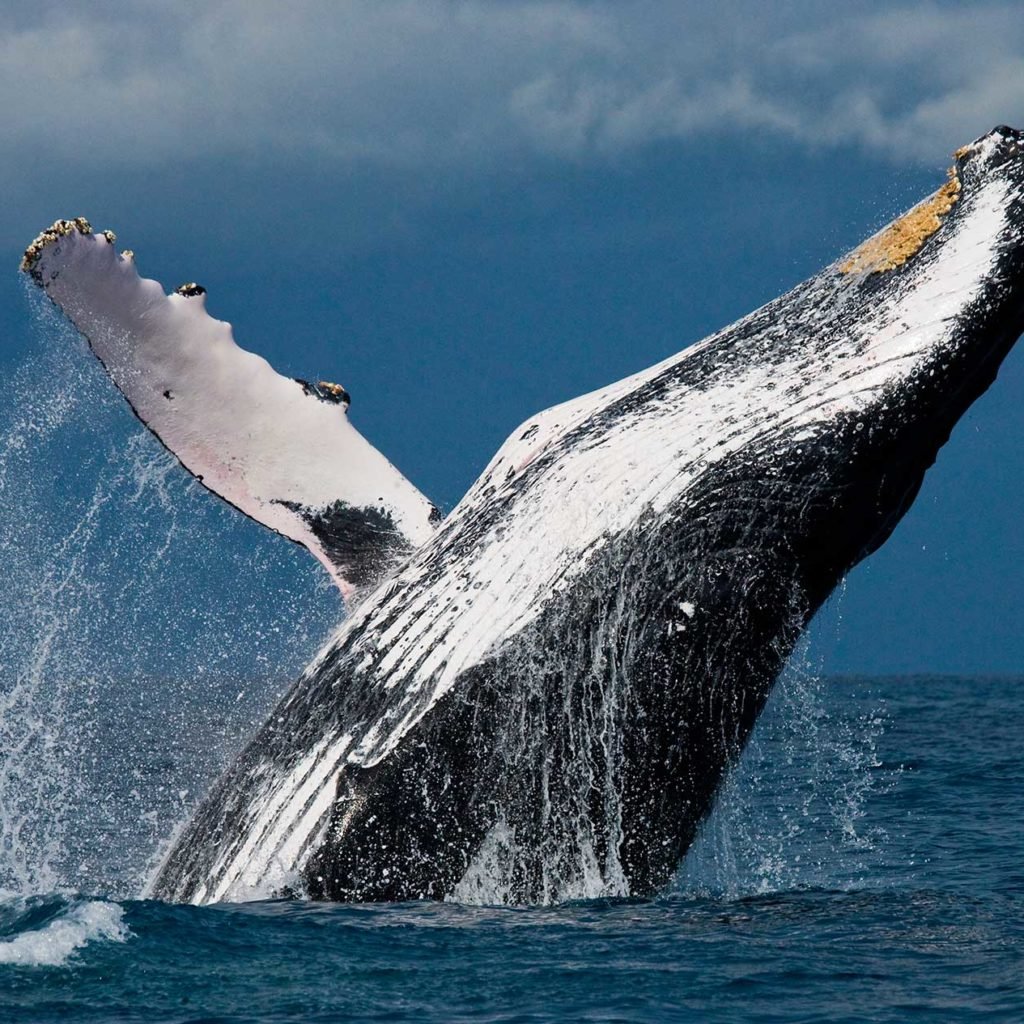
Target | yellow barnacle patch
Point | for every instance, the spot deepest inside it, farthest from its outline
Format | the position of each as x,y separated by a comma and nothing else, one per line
894,245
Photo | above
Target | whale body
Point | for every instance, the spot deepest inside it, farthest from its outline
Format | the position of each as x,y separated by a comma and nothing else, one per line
539,696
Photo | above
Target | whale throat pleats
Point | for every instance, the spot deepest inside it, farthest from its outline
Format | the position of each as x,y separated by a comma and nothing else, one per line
280,450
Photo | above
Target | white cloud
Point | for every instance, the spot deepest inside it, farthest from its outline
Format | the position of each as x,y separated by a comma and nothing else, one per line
407,83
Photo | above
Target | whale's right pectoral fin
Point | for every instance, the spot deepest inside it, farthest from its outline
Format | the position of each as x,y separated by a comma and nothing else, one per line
280,450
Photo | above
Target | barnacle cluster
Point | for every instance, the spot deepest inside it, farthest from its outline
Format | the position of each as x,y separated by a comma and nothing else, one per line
56,231
325,391
893,246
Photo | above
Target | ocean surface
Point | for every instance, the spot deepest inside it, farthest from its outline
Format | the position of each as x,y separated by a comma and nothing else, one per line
865,863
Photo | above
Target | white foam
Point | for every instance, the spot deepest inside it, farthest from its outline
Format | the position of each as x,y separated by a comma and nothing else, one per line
55,943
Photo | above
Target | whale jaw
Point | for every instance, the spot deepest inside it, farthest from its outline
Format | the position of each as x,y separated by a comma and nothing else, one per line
542,702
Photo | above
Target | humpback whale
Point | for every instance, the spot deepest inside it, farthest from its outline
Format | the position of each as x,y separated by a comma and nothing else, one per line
544,689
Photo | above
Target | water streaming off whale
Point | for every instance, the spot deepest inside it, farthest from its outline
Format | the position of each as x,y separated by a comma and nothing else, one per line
125,690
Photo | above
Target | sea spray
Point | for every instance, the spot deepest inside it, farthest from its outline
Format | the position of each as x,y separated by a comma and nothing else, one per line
794,812
145,628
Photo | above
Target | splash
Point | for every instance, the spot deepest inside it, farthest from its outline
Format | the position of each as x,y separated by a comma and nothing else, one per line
65,932
124,685
794,812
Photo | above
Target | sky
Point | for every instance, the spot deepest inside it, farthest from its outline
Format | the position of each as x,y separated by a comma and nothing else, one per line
467,211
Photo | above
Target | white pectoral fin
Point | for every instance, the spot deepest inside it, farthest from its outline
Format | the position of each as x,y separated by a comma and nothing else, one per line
280,450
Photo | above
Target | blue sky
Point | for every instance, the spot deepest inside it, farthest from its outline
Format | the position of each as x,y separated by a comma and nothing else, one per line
465,212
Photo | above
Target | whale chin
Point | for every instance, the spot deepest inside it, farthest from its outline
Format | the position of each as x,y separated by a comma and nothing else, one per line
541,694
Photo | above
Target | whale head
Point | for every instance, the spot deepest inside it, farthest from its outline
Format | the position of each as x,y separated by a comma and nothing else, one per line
914,325
805,427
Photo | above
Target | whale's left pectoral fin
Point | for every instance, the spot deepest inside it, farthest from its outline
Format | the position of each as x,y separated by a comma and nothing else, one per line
280,450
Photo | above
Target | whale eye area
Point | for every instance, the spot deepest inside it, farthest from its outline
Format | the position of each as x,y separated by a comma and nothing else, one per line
903,238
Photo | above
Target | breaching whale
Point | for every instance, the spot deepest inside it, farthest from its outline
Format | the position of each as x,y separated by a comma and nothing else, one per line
543,690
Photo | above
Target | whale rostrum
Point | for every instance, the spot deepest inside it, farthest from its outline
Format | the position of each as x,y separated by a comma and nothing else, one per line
537,698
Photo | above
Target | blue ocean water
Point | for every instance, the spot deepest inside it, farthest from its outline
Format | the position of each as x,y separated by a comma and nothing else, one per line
866,863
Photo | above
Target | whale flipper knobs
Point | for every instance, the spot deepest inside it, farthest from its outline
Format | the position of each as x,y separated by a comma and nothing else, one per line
287,457
52,235
336,391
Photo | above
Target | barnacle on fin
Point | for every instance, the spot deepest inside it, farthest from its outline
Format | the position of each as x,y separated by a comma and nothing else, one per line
190,289
326,391
56,231
335,389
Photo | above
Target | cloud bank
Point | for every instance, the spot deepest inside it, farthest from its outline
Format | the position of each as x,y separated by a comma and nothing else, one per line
410,83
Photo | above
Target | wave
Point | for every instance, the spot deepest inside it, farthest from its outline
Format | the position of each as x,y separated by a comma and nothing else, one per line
39,932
